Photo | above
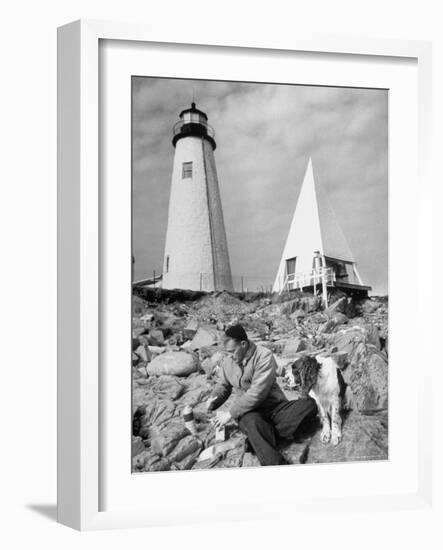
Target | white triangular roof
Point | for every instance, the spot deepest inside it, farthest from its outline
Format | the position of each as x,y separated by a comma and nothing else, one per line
314,227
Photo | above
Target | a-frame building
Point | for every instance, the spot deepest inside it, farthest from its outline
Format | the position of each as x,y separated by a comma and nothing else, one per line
316,253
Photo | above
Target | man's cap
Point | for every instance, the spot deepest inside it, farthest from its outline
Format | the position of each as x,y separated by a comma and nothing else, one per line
237,332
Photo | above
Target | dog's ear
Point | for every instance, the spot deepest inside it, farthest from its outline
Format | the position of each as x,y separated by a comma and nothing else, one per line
311,375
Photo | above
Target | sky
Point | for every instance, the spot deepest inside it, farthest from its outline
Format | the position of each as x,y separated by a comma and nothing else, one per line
265,134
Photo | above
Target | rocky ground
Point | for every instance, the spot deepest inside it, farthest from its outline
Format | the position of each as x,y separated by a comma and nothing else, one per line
176,343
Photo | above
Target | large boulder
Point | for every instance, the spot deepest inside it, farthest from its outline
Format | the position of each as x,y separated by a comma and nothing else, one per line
366,369
369,384
177,363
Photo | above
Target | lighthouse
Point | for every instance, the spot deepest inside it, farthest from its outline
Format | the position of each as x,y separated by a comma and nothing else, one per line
196,250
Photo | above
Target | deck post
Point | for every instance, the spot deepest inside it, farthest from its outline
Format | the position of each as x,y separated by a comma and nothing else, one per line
324,288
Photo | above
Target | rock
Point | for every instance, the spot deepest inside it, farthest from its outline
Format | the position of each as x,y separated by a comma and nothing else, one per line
163,440
186,346
156,337
160,465
142,370
296,453
150,462
282,364
138,331
297,315
310,304
155,413
195,396
327,327
369,384
178,363
139,461
364,438
156,350
256,327
190,329
338,306
367,370
137,445
207,463
373,337
188,445
210,363
205,337
341,358
350,310
168,387
147,318
353,341
340,318
187,462
250,461
292,347
233,458
221,448
369,306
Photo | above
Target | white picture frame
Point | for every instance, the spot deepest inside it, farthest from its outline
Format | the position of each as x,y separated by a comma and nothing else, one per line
80,263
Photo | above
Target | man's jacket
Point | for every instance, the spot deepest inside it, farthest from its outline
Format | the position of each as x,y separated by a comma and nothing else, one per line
254,383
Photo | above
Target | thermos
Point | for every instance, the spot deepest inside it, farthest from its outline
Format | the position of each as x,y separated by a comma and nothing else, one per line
188,417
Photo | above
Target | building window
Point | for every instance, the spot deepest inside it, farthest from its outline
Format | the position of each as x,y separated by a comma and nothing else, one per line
339,267
167,264
187,170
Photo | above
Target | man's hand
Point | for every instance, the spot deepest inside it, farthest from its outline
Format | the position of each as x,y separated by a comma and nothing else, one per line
210,402
222,419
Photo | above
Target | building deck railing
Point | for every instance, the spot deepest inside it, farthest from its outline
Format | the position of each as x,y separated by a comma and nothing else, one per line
298,281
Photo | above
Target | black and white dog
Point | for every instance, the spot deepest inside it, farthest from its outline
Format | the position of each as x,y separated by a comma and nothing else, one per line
320,378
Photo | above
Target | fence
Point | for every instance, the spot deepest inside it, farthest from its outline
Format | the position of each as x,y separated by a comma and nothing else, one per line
208,281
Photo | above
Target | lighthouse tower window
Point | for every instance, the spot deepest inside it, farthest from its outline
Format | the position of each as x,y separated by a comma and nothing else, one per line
187,170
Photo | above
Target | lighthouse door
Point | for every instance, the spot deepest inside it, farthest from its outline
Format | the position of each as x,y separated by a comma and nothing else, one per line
290,272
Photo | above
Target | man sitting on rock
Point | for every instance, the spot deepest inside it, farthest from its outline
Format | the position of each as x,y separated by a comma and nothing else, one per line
260,407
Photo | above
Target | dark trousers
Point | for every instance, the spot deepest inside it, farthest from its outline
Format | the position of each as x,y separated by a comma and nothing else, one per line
262,428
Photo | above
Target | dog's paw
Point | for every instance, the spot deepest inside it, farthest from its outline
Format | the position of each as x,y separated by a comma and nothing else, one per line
325,436
335,438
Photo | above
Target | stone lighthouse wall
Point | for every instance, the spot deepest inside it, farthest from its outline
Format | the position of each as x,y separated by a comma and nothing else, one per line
196,247
220,254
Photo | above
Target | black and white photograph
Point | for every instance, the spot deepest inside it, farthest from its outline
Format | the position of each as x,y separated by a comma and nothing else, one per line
259,274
